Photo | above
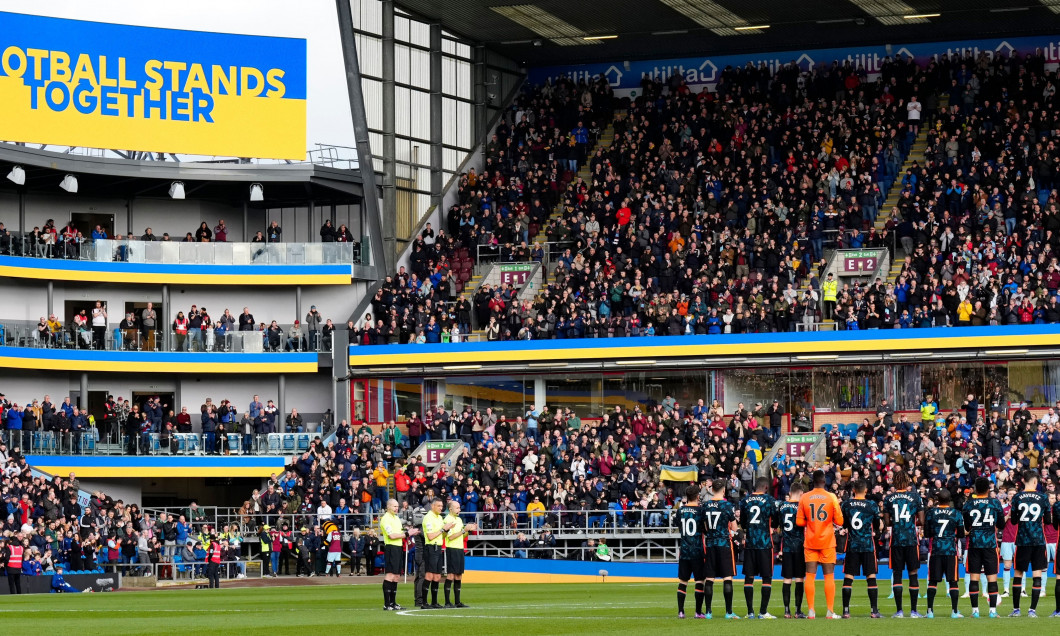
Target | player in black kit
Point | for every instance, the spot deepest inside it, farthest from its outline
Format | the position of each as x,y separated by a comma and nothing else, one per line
690,564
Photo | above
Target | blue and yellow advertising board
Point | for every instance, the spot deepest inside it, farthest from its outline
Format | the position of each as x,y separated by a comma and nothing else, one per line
75,83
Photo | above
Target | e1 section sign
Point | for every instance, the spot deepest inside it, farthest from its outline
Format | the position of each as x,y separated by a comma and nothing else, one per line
75,83
625,76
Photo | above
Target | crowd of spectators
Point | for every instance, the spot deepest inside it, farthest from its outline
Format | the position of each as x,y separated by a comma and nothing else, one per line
546,471
711,212
122,421
977,219
58,529
195,331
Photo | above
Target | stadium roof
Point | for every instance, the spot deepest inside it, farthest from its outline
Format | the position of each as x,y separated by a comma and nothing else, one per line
545,32
225,182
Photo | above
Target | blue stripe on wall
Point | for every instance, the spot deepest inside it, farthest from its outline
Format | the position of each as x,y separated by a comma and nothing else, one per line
187,270
662,571
727,339
273,461
159,357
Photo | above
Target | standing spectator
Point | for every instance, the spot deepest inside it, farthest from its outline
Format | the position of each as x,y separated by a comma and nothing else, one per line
312,323
148,320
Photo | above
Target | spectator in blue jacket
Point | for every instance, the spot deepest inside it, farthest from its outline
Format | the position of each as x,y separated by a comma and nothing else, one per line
59,584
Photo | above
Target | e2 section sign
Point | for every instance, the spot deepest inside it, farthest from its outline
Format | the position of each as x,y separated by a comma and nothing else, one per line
74,83
625,77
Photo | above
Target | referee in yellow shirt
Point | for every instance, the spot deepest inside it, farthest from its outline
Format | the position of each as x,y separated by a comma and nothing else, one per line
455,531
434,536
393,534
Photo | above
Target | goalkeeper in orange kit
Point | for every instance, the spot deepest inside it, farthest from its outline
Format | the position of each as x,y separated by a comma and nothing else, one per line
819,513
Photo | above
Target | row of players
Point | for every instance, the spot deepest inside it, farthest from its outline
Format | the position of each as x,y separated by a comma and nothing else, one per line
808,522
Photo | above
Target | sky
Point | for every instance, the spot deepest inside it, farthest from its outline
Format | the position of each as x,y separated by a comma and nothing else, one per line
328,117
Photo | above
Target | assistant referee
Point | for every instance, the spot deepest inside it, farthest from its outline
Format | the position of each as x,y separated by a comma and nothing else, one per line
434,534
393,534
455,531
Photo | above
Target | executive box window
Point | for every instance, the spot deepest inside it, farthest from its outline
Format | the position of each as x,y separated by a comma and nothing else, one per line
850,388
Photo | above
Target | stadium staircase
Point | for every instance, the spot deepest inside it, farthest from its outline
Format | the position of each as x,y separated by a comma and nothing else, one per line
916,155
606,138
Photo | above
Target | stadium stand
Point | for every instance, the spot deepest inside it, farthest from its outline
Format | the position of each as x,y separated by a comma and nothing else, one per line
57,530
712,213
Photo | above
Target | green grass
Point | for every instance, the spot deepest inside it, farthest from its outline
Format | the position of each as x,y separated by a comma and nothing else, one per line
495,609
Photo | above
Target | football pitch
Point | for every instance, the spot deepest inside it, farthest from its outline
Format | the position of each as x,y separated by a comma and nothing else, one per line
494,609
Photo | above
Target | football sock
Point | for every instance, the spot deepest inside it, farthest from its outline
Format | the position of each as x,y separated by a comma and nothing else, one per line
800,588
726,589
448,585
829,590
932,589
456,591
1007,578
848,582
973,592
434,592
874,594
681,587
708,595
955,595
1036,592
749,595
811,589
767,591
896,587
785,591
1017,591
914,592
699,597
991,590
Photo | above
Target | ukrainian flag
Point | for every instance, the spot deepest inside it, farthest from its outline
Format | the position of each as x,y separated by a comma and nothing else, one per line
679,473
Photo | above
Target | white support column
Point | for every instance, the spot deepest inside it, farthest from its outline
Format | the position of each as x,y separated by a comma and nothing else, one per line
539,393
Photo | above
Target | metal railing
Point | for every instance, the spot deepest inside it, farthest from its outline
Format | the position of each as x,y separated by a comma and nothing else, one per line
192,571
566,524
25,333
551,252
110,438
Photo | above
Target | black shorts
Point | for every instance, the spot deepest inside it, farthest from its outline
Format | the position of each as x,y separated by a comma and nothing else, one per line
432,559
905,558
1032,557
942,567
860,564
719,563
758,562
690,569
793,565
393,559
454,561
983,561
